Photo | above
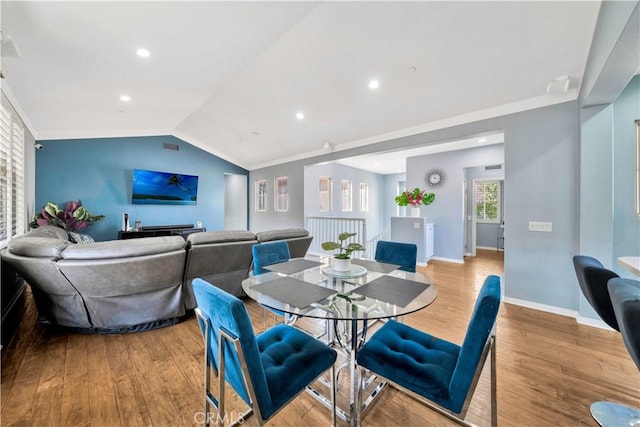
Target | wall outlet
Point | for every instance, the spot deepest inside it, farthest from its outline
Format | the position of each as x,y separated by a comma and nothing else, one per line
540,226
416,225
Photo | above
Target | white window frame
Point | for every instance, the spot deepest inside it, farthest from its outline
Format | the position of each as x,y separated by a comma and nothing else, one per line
260,200
346,195
12,180
281,194
483,183
364,197
325,194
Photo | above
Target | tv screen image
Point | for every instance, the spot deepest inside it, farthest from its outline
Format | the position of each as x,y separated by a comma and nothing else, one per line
151,187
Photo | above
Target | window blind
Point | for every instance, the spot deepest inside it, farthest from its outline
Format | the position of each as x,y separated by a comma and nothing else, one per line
487,198
12,204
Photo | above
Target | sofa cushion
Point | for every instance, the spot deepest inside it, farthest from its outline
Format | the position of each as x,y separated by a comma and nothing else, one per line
125,248
34,246
287,233
48,231
207,237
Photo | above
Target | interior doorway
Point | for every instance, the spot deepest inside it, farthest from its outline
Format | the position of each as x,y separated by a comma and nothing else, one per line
235,208
486,213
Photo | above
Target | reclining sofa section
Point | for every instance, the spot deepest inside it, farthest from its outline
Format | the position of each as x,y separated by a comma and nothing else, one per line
135,284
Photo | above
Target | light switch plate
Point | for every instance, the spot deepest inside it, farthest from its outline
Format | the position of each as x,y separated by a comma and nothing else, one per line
540,226
416,225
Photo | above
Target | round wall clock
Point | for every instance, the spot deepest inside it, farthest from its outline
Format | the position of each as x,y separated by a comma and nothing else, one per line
435,177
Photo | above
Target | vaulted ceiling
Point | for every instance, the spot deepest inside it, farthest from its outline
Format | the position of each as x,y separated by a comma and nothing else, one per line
230,77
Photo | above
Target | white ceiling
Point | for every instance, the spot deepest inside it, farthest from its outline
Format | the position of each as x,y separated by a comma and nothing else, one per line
390,162
229,77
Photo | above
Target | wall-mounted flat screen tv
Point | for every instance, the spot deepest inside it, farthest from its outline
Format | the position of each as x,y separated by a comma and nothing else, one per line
151,187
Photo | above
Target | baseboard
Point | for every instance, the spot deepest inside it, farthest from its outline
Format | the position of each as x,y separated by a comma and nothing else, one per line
542,307
453,260
490,248
587,321
596,323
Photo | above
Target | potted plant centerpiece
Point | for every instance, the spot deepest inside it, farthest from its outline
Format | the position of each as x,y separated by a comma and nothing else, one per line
342,260
414,199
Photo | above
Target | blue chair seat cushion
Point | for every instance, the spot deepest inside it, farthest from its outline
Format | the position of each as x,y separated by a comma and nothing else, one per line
412,359
291,360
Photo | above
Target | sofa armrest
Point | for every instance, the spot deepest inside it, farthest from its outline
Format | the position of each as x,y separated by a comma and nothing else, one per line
38,247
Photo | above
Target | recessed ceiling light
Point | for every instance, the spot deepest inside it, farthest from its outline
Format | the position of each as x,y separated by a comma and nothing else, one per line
125,98
482,140
300,115
143,53
374,84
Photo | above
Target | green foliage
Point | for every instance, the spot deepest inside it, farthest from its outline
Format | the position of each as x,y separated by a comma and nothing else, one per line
415,198
344,250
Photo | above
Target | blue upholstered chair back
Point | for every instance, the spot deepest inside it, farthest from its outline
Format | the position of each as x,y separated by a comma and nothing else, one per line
403,254
593,278
480,326
269,253
625,297
227,312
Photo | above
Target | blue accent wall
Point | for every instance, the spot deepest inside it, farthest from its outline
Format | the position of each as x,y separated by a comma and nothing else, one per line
99,172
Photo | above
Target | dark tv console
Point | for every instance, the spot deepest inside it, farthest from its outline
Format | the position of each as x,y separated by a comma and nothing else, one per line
160,230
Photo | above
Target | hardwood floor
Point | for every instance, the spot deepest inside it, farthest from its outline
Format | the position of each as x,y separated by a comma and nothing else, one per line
550,369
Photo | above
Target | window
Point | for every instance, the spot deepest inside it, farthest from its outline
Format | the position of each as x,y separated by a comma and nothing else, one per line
324,194
282,194
345,190
261,195
487,198
364,197
12,205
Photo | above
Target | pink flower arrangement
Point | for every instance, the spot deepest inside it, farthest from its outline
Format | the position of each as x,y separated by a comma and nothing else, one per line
73,217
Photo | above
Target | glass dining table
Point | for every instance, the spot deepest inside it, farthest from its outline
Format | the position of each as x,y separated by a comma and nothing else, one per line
348,301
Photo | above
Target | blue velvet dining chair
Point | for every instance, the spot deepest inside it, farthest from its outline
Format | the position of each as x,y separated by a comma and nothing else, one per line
438,373
266,371
403,254
269,253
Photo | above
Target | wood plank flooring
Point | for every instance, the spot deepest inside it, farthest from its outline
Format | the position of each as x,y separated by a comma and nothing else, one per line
550,369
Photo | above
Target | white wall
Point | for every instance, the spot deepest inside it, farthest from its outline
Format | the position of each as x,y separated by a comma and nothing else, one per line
447,211
337,173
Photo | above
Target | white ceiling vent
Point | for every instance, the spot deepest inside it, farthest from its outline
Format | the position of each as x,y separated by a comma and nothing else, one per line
559,85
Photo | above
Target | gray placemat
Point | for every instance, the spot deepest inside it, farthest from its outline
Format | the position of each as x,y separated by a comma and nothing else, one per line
292,266
393,290
293,291
378,267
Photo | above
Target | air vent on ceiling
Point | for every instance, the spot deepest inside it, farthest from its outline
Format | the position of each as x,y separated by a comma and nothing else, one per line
168,146
493,167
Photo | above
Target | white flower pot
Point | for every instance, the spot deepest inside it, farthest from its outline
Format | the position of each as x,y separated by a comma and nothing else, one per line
415,212
342,264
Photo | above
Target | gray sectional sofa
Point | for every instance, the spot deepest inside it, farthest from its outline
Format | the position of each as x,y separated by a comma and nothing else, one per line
134,284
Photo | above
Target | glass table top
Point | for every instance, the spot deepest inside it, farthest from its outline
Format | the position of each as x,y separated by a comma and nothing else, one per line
386,295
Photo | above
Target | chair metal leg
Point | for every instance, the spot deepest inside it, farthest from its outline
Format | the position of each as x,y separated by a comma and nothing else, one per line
333,395
494,386
221,367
